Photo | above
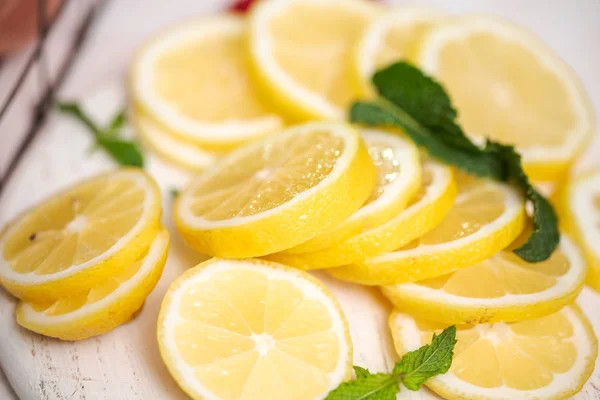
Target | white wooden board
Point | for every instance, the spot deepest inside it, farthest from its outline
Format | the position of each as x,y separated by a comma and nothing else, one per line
125,364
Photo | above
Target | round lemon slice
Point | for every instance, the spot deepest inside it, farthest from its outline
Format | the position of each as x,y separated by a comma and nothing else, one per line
277,193
252,330
509,86
80,236
101,309
399,170
486,217
546,358
173,149
301,53
501,288
428,208
195,81
579,211
389,38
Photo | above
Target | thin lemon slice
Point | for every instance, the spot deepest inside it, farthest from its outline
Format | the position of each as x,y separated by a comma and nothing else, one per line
501,288
301,53
80,236
486,217
101,309
194,80
252,330
431,204
399,170
509,86
579,210
172,148
391,37
278,192
545,358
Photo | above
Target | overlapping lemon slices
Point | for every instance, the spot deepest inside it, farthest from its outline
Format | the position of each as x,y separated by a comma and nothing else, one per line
249,329
92,250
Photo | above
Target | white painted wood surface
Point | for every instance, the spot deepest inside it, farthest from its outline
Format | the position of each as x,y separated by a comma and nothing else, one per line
125,363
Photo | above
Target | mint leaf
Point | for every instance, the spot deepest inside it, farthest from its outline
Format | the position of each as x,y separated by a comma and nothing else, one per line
361,372
175,192
432,359
124,152
419,105
370,387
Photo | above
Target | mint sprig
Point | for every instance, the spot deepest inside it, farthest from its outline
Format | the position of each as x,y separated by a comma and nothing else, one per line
124,152
419,105
413,370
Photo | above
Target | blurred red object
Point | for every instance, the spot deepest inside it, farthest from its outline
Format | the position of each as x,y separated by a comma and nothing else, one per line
241,6
19,24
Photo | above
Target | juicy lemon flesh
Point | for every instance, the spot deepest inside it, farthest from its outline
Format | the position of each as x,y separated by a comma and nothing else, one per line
525,104
76,227
503,274
208,80
250,337
74,302
476,206
387,163
521,355
318,57
397,42
267,177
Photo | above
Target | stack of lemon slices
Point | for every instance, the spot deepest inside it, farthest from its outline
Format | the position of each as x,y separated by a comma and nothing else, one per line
83,261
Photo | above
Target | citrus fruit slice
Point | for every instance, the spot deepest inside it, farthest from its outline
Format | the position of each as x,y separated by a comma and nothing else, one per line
80,236
579,211
170,147
486,217
389,38
509,86
194,80
399,170
301,53
545,358
102,308
501,288
278,192
431,204
252,330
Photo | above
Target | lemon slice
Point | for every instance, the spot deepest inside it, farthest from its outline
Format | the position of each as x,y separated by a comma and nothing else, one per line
277,193
399,171
579,210
391,37
431,204
546,358
194,80
501,288
252,330
486,217
80,236
301,53
101,309
510,87
173,149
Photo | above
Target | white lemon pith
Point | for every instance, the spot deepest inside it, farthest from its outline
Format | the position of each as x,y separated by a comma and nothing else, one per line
500,288
545,358
102,308
253,330
79,236
308,72
399,170
579,211
278,192
194,80
485,218
426,210
509,86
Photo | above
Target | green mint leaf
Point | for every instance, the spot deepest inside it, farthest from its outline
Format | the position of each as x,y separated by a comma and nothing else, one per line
76,112
370,387
432,359
420,106
124,152
175,192
118,121
361,372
